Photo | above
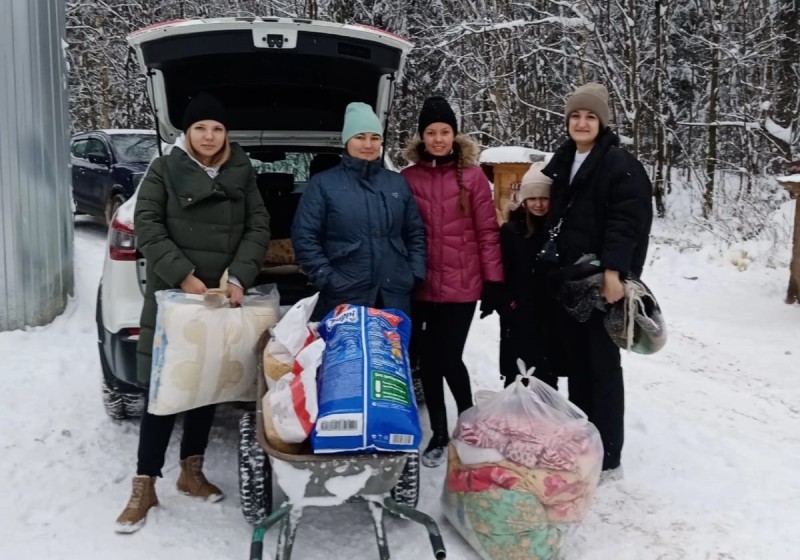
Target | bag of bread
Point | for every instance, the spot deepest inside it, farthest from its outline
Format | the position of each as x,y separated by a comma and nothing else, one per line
289,336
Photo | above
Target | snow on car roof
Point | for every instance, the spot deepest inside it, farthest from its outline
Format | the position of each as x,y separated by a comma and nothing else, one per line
128,131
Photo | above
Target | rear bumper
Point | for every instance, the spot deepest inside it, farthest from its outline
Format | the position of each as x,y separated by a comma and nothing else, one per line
120,354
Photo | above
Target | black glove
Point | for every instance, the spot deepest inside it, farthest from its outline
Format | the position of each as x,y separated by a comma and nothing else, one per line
492,298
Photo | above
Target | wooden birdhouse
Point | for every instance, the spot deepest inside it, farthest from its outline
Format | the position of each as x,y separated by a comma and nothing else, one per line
505,166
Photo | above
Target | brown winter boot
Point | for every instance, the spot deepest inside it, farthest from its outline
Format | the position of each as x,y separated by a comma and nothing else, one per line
193,482
143,497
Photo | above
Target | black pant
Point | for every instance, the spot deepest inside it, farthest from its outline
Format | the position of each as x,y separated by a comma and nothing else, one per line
442,330
595,380
520,341
155,432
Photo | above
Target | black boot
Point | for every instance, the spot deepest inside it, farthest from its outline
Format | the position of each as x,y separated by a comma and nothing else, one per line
436,452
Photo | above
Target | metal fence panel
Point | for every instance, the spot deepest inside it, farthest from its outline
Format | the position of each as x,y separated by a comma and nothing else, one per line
36,246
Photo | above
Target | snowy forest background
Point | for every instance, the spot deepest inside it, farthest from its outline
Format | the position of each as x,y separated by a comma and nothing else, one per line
705,92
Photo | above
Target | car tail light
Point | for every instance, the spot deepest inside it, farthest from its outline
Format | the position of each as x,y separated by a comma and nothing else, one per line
130,335
121,241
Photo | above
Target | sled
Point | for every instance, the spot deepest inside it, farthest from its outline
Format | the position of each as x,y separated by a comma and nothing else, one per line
390,483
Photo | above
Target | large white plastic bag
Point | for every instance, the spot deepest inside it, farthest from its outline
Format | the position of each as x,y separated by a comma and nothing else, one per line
542,461
204,349
541,427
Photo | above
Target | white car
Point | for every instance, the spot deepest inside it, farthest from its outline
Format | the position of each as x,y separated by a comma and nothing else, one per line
285,84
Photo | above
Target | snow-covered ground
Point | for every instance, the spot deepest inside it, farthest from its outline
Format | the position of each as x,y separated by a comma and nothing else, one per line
711,456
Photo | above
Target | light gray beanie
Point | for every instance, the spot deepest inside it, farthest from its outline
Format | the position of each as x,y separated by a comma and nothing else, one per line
534,183
591,97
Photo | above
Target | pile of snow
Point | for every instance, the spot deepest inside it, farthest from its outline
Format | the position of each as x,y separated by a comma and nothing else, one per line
513,154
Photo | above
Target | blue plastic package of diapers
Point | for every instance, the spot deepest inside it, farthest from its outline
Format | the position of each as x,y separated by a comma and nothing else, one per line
366,397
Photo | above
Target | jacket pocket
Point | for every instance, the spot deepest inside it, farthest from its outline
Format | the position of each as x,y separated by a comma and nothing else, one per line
346,273
399,246
339,251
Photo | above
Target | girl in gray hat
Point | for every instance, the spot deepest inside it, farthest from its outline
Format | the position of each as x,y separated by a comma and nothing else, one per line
525,315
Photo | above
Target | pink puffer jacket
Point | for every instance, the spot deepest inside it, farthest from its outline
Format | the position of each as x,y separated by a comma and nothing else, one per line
463,249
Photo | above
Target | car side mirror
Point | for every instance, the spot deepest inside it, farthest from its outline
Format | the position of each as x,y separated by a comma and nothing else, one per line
98,158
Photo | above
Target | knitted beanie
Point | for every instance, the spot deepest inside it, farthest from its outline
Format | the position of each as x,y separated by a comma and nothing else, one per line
591,97
534,183
202,107
436,109
358,118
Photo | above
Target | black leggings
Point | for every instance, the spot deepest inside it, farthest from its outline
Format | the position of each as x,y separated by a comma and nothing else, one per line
155,432
441,330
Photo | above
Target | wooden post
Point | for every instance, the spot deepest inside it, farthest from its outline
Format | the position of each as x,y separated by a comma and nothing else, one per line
793,290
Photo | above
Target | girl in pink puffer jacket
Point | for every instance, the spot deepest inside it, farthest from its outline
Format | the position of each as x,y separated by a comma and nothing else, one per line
463,260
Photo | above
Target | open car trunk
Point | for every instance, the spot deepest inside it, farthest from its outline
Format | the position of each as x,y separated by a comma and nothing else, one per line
284,82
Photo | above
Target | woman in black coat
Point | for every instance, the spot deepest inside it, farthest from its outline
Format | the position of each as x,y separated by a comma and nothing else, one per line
601,205
526,314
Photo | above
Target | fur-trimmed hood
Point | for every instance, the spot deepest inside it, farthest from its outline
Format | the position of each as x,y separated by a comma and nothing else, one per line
469,149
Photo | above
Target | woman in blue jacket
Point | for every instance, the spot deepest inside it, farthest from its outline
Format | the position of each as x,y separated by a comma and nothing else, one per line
357,232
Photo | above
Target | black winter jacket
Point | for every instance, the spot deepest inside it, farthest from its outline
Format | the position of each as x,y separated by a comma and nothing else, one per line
524,284
526,316
612,211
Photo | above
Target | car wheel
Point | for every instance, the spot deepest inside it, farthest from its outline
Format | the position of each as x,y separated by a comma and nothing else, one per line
122,402
406,491
112,205
255,473
121,406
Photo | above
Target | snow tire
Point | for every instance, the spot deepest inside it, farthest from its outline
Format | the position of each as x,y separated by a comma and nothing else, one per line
121,401
120,405
406,491
255,474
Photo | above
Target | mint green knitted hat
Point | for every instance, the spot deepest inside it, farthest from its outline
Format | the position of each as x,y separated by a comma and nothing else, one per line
358,118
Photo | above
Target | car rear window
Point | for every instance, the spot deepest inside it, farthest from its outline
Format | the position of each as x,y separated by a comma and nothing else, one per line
134,147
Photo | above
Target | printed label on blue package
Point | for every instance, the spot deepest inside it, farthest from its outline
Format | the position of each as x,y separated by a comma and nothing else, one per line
366,399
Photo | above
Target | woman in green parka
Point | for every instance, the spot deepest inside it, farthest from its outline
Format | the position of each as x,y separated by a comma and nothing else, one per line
198,215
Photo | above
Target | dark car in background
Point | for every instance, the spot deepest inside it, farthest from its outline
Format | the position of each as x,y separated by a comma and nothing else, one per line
107,166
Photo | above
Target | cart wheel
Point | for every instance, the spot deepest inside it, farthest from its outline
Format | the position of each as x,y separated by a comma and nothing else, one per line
255,474
406,491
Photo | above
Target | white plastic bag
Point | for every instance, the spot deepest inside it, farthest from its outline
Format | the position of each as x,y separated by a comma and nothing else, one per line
547,460
293,401
204,350
529,423
289,336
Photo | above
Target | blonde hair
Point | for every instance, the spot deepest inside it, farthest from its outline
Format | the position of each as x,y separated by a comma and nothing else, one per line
218,159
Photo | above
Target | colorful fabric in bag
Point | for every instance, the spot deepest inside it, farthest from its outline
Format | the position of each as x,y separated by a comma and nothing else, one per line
500,519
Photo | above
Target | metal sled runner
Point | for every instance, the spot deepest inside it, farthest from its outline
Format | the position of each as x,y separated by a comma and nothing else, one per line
385,482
